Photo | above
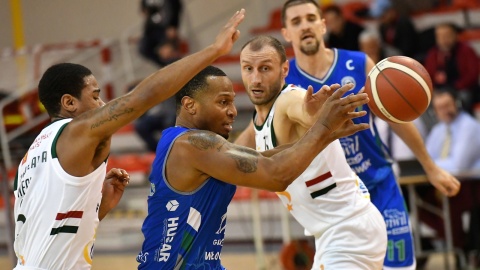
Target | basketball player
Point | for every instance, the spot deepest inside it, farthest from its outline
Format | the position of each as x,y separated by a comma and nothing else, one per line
316,65
58,188
327,199
196,170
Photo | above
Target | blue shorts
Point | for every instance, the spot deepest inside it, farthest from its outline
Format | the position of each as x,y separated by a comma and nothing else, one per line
388,199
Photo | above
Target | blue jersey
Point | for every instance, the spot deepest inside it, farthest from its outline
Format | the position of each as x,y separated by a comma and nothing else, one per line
365,152
183,230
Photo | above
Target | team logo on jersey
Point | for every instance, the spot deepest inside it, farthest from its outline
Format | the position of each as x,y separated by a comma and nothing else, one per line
348,79
172,205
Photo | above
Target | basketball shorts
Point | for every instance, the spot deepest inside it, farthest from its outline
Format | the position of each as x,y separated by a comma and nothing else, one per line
356,243
387,197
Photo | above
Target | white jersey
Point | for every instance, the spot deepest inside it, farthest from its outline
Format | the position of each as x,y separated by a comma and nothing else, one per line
327,192
56,214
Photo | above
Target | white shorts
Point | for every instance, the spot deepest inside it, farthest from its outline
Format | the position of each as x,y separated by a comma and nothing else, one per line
356,243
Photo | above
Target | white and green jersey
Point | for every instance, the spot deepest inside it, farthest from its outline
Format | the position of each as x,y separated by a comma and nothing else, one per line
56,214
327,192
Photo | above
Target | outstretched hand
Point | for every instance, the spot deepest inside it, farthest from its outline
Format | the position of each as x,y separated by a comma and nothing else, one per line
229,33
313,102
113,187
443,181
337,113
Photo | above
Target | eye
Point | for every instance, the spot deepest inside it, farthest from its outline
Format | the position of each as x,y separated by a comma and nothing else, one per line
247,68
265,68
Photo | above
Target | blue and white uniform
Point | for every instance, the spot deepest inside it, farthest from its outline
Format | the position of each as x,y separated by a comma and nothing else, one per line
368,156
183,230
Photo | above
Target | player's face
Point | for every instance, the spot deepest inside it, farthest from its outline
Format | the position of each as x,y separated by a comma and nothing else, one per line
445,38
90,98
304,28
216,111
445,107
262,73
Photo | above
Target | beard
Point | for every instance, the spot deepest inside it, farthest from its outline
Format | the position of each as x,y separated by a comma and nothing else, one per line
272,91
310,49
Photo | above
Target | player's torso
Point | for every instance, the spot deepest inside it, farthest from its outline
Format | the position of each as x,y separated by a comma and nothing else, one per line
56,214
364,151
326,193
183,230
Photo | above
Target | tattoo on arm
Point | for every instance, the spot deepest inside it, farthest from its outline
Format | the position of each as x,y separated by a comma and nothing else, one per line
246,158
113,111
204,140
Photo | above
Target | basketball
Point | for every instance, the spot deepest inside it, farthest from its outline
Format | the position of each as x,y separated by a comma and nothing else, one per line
399,89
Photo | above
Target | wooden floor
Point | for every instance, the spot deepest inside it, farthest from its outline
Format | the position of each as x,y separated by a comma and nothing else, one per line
231,260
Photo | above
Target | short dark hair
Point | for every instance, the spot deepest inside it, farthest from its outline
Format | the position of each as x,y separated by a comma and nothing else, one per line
58,80
291,3
197,84
258,42
446,90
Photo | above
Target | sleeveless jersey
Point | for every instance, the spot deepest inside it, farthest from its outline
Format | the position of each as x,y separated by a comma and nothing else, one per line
365,152
327,192
183,230
56,214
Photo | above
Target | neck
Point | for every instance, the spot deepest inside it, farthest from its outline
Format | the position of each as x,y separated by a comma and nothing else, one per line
180,122
316,65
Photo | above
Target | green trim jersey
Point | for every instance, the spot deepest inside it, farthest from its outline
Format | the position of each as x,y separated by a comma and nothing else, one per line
327,192
56,213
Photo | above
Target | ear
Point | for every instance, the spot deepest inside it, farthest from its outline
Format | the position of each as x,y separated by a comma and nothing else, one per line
324,27
285,35
189,105
285,68
68,103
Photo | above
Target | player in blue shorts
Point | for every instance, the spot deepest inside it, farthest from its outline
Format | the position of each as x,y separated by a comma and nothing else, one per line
316,65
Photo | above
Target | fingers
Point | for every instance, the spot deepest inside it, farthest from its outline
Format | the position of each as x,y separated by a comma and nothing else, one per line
237,18
342,90
119,174
309,93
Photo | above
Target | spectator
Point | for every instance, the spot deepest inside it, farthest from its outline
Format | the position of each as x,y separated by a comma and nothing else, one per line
453,64
453,143
160,41
343,34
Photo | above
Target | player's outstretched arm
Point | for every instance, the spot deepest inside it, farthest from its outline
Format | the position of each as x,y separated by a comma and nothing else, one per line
440,179
91,130
212,155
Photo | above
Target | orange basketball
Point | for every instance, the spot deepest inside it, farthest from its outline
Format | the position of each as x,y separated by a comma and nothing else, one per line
399,89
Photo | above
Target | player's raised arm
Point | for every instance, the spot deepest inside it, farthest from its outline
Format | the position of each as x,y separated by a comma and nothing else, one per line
87,136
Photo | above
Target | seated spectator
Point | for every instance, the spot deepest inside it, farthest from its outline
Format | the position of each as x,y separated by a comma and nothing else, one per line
342,34
454,64
454,142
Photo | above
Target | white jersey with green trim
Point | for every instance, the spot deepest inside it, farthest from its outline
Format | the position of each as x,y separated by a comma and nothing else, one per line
56,213
327,192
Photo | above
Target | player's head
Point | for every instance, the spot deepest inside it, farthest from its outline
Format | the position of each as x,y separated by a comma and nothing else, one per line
446,36
264,66
206,102
68,90
446,104
303,26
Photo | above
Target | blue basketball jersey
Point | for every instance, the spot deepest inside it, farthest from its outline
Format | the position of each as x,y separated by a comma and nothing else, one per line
183,230
365,152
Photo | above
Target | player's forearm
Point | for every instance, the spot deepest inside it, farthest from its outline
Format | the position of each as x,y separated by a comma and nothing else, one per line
412,138
154,89
293,161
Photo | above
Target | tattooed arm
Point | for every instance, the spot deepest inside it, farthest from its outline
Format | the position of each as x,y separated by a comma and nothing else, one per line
85,142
